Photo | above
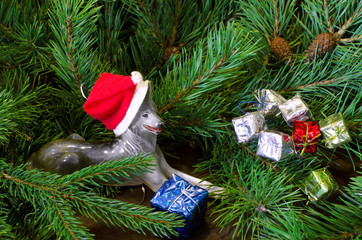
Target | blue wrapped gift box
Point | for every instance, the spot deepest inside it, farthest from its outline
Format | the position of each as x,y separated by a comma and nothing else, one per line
178,196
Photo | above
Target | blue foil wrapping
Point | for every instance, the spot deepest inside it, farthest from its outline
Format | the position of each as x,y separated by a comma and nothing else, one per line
178,196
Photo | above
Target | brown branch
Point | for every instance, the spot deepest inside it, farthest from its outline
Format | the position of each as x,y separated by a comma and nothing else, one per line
163,42
348,24
348,40
262,159
276,29
4,175
325,82
71,54
326,12
176,24
62,218
7,30
26,136
187,89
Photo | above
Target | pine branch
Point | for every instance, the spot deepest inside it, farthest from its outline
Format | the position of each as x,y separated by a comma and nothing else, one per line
326,11
68,227
63,194
212,67
157,32
348,23
5,227
262,159
135,217
111,170
270,17
319,83
192,85
71,54
332,220
276,25
176,24
75,59
349,40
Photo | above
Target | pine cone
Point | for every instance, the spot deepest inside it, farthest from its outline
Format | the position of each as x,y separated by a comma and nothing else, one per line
323,43
280,48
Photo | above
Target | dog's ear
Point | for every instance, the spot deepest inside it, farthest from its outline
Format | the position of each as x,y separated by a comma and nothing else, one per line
149,91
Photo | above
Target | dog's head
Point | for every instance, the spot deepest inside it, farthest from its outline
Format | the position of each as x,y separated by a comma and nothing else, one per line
146,125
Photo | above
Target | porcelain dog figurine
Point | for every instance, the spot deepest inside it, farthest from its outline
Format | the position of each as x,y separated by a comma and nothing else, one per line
123,104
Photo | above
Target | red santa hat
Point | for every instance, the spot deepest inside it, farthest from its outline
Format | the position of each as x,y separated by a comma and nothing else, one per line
115,100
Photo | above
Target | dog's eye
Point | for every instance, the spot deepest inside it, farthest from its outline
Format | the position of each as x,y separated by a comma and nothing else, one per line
145,115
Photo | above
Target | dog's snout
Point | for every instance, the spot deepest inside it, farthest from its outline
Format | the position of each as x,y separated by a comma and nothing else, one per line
160,124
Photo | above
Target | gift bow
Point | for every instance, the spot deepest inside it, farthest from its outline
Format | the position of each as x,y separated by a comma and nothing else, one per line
186,192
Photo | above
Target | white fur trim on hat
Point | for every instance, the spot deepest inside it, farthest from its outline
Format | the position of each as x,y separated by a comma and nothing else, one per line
138,97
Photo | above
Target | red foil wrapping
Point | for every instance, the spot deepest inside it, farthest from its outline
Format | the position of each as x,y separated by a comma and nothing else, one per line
305,136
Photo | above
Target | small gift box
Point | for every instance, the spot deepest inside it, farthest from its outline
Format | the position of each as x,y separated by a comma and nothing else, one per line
274,145
305,136
269,100
178,196
334,130
319,185
248,127
295,109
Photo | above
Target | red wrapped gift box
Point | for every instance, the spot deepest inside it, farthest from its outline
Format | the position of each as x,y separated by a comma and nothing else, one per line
305,136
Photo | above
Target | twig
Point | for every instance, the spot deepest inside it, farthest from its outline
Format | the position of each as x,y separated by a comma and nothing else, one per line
26,136
263,160
326,11
276,29
348,24
172,39
14,179
69,39
348,40
325,82
62,218
162,42
7,30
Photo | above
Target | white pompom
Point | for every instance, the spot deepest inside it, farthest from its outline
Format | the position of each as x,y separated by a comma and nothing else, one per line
136,77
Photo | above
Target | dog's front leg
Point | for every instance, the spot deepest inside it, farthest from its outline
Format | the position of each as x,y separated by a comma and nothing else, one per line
154,178
167,170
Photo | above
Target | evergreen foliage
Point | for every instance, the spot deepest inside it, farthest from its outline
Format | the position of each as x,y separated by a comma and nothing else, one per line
203,58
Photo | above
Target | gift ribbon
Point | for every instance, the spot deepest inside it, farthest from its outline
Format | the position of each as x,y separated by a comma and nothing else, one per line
306,143
261,103
186,193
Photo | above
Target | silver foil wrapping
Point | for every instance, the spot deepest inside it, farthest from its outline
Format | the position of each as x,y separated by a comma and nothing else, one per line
270,100
248,127
295,109
334,130
274,145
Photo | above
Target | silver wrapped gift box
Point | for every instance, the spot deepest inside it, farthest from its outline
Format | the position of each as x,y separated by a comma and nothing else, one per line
334,130
269,100
248,126
295,109
274,145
